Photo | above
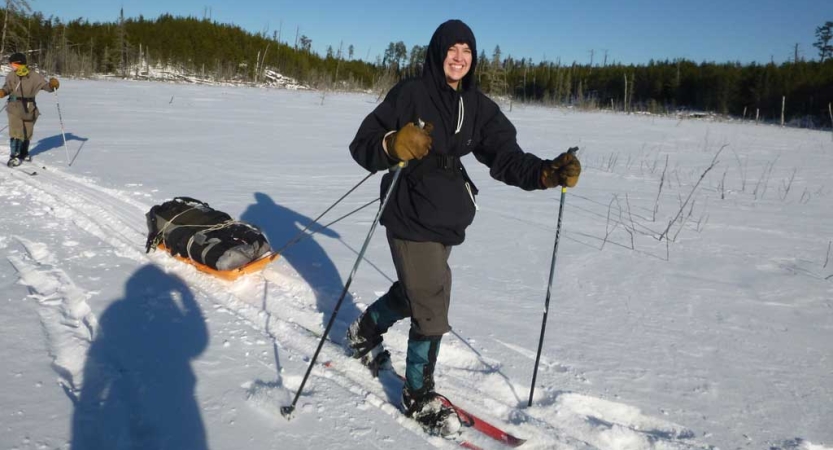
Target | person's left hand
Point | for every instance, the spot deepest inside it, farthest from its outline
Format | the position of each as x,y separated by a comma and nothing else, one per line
54,83
3,93
562,171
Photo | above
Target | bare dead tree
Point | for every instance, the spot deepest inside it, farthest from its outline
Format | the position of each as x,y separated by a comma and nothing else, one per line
742,170
722,186
690,194
804,194
611,161
701,223
683,220
609,230
625,99
11,27
688,217
338,59
122,38
656,161
659,191
630,217
691,209
763,181
621,220
783,108
787,184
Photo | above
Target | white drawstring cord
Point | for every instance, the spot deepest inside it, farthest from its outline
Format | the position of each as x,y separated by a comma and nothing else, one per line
461,112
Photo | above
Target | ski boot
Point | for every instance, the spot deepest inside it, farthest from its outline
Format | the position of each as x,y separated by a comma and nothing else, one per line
431,412
13,162
364,344
23,152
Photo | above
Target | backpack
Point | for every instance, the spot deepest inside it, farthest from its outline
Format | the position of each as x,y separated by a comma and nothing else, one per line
190,228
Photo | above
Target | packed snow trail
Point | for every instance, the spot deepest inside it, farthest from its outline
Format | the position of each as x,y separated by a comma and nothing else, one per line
281,306
68,323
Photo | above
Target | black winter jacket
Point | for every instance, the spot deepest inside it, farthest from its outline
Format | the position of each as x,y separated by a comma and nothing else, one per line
434,198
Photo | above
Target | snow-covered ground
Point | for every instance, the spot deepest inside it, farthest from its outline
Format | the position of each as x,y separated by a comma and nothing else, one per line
716,333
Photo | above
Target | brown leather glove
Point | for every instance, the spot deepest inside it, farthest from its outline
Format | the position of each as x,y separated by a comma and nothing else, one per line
410,142
3,93
54,83
562,171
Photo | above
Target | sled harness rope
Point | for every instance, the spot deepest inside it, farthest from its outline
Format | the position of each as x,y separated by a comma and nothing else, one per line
303,233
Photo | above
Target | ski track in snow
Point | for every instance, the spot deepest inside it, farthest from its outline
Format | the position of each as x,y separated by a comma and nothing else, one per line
275,303
66,318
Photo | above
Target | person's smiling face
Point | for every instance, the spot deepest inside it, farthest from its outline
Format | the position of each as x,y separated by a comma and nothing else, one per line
457,64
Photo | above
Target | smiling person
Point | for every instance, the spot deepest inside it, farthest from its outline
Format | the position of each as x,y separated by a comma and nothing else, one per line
22,85
430,122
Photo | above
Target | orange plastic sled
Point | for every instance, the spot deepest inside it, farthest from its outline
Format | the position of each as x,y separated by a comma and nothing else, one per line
228,275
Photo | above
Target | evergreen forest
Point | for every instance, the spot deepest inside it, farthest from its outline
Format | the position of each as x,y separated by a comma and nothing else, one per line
128,47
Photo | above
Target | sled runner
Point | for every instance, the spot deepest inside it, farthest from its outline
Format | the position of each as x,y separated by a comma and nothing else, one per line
228,275
207,239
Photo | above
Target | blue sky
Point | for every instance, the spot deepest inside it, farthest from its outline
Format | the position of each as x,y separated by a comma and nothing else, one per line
628,31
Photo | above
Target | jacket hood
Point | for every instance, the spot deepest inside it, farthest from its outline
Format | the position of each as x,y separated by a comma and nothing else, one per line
447,34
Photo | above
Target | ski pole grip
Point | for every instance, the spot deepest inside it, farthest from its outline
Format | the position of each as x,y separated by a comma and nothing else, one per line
398,166
572,151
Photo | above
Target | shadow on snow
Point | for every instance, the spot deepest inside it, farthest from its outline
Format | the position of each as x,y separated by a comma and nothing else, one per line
53,142
138,386
307,257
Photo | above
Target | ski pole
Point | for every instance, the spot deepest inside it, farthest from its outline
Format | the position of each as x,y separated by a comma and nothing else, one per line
572,150
286,411
61,120
1,110
301,233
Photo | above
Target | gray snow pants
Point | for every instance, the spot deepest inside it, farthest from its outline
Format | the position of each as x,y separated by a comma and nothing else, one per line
423,272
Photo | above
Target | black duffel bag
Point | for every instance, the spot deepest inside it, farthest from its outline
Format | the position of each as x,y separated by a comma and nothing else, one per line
192,229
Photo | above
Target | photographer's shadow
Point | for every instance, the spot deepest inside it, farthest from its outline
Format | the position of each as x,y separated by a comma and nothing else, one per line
307,257
56,141
138,385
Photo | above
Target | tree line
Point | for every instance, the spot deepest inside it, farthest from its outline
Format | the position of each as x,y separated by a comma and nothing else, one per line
803,88
128,47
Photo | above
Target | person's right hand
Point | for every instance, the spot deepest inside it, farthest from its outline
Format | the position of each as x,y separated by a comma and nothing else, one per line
54,83
3,93
410,142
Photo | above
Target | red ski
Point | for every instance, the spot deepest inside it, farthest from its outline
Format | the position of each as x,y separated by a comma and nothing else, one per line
471,421
484,427
467,419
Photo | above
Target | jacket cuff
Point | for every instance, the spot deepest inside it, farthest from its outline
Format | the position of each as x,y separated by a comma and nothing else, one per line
384,142
391,160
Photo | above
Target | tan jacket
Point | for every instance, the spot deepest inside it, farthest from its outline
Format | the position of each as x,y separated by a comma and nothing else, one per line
21,94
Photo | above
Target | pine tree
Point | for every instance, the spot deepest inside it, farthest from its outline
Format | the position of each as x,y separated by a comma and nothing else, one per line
497,74
824,34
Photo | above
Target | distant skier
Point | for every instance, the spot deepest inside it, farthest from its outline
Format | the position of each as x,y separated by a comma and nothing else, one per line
22,85
431,122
